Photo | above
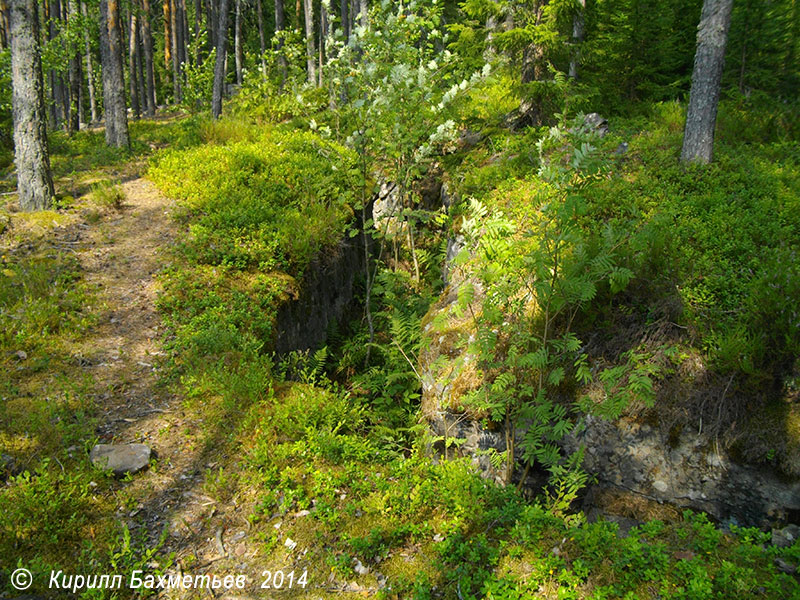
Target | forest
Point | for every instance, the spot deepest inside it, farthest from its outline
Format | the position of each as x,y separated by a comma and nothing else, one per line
428,299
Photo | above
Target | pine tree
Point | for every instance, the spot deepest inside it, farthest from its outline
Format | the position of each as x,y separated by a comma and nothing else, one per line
712,35
219,67
34,180
113,80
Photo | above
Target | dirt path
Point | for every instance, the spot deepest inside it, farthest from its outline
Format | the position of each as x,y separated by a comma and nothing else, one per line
122,256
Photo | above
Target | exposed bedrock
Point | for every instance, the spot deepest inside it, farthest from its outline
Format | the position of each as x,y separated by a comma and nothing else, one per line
626,456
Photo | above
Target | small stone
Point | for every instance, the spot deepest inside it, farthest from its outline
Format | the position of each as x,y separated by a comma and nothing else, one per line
238,536
660,486
784,566
783,538
121,458
360,568
21,354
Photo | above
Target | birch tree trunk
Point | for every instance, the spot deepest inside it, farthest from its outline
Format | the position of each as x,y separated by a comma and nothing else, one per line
311,52
113,80
237,42
133,79
34,180
219,67
578,33
701,118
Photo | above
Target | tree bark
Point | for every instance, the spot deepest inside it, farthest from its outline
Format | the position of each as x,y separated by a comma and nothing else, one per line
113,80
709,60
280,25
261,40
311,51
323,33
167,12
147,44
578,33
4,27
184,47
133,71
211,19
89,69
533,55
75,116
34,180
345,18
363,9
237,42
175,53
198,12
55,97
219,67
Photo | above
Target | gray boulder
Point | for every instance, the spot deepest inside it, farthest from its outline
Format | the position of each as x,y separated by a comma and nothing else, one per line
121,458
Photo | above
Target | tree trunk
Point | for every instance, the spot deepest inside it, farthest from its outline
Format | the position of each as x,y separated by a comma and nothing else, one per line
345,17
113,79
237,42
3,24
363,9
198,12
140,60
34,181
147,43
261,41
54,103
578,33
533,55
133,72
280,25
184,47
323,33
219,67
701,118
211,19
175,53
89,69
75,116
311,52
167,12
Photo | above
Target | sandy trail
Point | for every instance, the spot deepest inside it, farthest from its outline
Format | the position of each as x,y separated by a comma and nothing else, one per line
122,256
